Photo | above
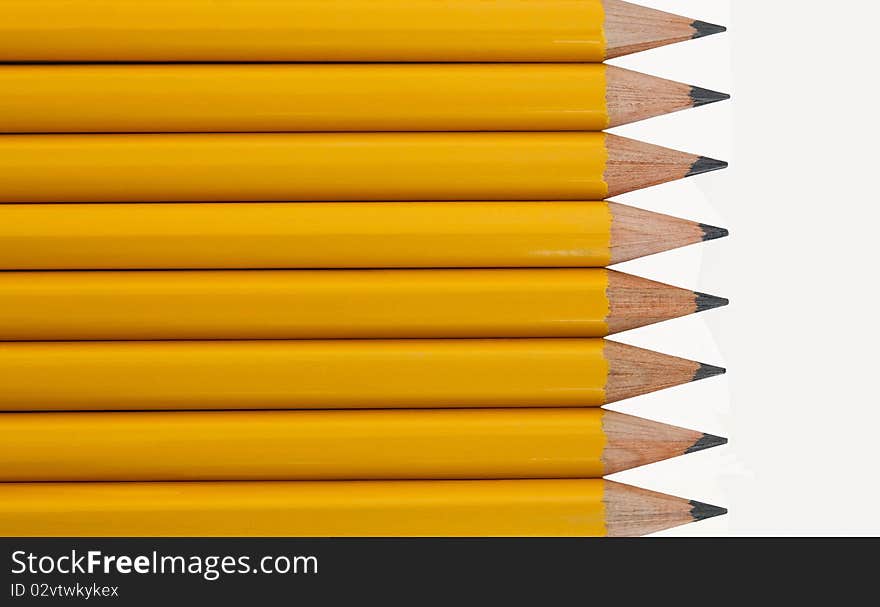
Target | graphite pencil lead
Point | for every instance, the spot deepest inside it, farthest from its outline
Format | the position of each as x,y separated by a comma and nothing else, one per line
701,511
704,164
701,96
637,233
713,233
707,441
709,302
706,371
702,29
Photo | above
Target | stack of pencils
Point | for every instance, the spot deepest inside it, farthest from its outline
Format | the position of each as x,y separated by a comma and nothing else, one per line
336,268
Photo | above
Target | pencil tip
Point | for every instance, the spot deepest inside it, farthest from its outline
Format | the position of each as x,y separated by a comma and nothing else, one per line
713,233
702,29
701,96
701,511
705,302
706,371
707,441
706,165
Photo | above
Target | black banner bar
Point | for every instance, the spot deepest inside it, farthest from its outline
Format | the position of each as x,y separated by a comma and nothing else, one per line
126,571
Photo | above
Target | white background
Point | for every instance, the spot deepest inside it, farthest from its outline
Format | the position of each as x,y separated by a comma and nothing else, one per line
800,402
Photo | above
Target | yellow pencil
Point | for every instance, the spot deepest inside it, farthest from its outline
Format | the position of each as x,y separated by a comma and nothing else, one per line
332,374
334,445
335,30
320,304
335,235
543,508
333,166
243,98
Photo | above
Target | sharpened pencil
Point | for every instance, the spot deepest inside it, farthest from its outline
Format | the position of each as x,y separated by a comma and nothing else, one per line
334,167
475,508
335,445
335,30
335,235
333,374
267,98
317,304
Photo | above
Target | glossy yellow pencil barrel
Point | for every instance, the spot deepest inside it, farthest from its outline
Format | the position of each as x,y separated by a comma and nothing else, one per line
225,98
315,304
305,235
542,508
334,445
332,374
332,166
334,30
335,235
267,98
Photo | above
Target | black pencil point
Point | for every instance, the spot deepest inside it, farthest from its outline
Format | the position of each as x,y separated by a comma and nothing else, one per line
701,96
707,371
701,511
713,233
706,165
707,441
709,302
701,29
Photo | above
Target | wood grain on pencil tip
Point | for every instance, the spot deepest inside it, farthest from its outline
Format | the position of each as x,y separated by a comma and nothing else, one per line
633,165
633,441
634,512
633,371
633,96
637,302
638,233
630,28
